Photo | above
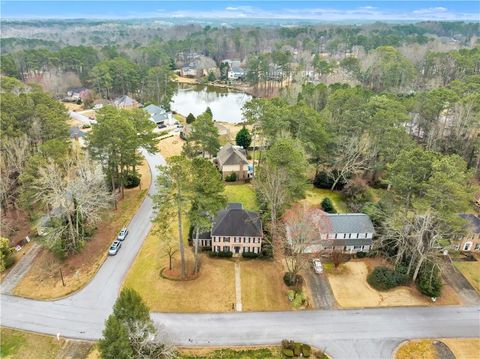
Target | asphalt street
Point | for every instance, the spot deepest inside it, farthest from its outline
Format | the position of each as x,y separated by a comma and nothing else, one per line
365,333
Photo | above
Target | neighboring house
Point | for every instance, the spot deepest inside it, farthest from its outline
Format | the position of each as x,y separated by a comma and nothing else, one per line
98,104
125,102
345,232
189,70
236,73
222,130
471,242
234,229
161,117
77,93
233,159
78,135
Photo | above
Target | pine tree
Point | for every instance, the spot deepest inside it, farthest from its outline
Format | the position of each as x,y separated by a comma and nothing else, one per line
327,205
243,138
190,118
115,343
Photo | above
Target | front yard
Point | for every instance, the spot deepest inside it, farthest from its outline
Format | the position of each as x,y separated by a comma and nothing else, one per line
351,290
471,271
262,286
43,280
435,349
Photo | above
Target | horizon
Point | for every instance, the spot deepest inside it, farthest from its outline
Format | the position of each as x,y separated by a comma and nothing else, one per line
243,11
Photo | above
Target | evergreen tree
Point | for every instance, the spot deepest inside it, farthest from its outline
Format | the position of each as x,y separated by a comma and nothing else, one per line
115,343
190,118
243,138
327,205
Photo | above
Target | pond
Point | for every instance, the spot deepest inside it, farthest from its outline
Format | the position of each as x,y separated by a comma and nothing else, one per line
226,104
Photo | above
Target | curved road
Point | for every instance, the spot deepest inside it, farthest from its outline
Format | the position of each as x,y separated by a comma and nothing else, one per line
364,333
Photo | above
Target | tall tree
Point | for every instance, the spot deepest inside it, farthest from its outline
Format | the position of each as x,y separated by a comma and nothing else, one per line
174,185
243,138
205,134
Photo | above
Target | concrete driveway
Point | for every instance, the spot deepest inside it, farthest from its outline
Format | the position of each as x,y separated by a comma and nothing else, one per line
323,297
367,333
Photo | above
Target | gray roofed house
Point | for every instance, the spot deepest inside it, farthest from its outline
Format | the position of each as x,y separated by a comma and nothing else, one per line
346,232
159,115
125,102
234,229
233,159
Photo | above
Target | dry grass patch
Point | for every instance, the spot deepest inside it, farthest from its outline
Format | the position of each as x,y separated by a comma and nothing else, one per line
262,286
471,271
351,290
171,146
417,349
464,348
43,280
212,291
18,344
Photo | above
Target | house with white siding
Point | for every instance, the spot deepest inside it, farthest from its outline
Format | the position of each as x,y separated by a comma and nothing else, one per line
344,232
235,230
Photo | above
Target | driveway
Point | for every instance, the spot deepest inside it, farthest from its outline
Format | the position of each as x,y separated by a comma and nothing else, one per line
323,297
367,333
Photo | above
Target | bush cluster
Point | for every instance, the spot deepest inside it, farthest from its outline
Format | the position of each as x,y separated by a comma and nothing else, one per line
361,254
293,349
221,254
292,280
232,177
132,180
266,253
383,278
429,282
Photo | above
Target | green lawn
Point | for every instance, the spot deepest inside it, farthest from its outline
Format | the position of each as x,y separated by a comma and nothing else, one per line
471,271
18,344
314,197
242,193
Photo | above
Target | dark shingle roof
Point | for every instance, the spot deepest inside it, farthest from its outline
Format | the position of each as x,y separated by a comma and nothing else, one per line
231,155
473,221
235,221
351,223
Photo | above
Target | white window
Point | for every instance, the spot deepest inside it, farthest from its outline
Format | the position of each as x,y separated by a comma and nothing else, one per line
467,246
477,247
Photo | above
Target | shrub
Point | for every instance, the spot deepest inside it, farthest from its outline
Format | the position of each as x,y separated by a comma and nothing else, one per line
291,279
429,281
361,254
250,255
267,252
232,177
288,353
306,350
287,344
324,180
327,205
6,259
382,278
190,118
297,349
221,254
132,180
299,299
206,249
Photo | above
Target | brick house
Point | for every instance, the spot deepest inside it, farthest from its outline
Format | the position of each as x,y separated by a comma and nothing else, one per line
234,229
233,159
471,242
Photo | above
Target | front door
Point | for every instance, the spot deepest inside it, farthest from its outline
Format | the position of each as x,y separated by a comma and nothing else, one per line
237,249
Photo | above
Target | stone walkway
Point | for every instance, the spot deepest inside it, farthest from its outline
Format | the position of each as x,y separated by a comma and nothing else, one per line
19,270
238,288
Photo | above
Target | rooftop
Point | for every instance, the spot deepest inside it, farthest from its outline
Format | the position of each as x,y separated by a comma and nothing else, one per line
473,220
351,223
231,155
235,221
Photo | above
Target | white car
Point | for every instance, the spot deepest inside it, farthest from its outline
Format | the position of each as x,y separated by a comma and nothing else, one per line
122,234
317,266
114,248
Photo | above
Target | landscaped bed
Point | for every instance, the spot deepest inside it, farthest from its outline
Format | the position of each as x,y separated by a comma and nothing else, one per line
433,349
43,280
351,290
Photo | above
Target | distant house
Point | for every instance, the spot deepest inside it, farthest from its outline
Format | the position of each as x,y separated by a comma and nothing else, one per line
471,242
190,70
235,71
161,117
98,104
77,134
344,232
77,93
125,102
233,159
234,229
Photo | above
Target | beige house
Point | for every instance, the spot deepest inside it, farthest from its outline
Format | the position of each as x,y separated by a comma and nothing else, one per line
471,242
233,159
236,230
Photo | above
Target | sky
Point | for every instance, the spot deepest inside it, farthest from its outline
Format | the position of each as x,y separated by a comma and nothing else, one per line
278,9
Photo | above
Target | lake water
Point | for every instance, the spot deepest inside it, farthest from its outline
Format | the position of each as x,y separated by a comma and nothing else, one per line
226,104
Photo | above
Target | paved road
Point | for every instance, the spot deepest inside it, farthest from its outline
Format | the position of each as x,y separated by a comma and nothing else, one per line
369,333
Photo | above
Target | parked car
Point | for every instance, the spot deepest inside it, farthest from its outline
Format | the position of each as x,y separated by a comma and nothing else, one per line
114,248
122,234
317,265
162,126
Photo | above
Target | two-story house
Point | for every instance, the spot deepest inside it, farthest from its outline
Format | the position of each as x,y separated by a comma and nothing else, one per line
344,232
234,229
233,159
471,242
